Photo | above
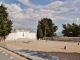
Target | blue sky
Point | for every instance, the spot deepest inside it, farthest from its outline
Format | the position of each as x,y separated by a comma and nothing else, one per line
26,13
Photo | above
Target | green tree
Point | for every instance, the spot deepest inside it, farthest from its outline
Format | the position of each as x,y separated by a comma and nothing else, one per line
39,32
71,30
47,28
5,22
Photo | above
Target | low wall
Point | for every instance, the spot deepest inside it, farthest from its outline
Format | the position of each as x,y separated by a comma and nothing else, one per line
74,39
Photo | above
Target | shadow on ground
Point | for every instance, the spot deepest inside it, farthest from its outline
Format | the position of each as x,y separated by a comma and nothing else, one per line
64,56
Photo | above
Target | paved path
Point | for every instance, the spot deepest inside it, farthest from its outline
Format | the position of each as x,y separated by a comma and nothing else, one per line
6,56
28,53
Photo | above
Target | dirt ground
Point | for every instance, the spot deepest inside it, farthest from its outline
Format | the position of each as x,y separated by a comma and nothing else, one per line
56,48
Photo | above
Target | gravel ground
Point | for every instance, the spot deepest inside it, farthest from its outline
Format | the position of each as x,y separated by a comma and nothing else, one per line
55,48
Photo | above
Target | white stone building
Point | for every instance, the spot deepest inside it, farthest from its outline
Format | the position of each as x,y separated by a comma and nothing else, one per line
19,34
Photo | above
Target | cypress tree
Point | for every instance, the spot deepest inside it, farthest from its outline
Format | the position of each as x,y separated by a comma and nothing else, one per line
5,22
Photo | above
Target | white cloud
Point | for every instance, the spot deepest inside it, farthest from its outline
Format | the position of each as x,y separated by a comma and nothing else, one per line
52,5
77,19
64,9
75,2
0,2
21,26
60,18
55,4
34,13
17,25
15,11
76,9
26,2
